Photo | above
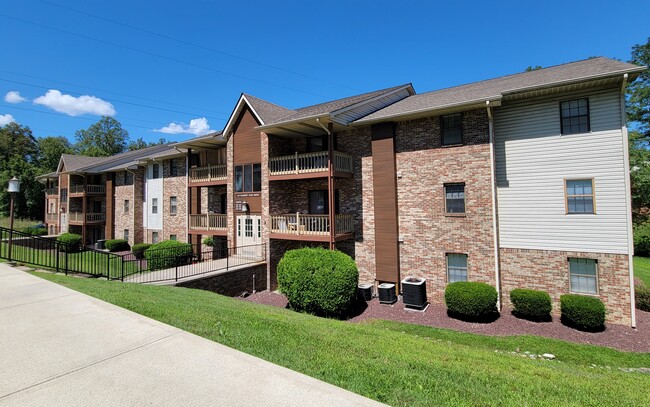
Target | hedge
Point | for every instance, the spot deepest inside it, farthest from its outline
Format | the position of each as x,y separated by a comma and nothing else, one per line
471,301
168,254
642,240
117,245
642,297
208,241
582,312
30,230
71,242
318,281
531,304
139,248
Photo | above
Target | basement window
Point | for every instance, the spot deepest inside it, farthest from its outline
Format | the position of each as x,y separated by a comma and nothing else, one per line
583,276
456,267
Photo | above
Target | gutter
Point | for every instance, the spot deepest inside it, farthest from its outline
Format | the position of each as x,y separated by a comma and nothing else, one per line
628,202
495,211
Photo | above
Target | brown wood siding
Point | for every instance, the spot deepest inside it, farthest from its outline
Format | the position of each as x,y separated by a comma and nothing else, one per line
385,197
247,140
110,205
195,200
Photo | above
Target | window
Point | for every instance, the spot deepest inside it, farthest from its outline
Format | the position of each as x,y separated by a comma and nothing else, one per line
51,208
583,276
580,196
154,237
155,169
574,116
454,198
126,206
319,204
128,178
154,205
173,168
248,178
172,237
452,129
173,205
64,194
126,234
456,267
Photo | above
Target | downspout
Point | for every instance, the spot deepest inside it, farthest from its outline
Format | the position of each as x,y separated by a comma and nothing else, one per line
330,181
628,201
495,212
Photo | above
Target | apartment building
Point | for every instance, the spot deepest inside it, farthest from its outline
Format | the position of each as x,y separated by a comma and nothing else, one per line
520,181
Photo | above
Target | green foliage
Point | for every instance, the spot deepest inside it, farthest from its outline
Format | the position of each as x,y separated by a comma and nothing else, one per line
102,139
50,150
117,245
638,92
34,231
71,242
642,297
471,300
531,68
318,281
138,249
642,240
139,144
208,241
531,304
582,312
168,254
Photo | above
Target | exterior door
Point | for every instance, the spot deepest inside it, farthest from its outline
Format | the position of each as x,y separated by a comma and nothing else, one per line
64,222
249,235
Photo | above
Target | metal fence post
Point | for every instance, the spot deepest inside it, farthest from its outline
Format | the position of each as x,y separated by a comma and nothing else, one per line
122,262
176,270
65,253
56,249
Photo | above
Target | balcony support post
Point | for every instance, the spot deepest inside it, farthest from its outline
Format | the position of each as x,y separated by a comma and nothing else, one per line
330,184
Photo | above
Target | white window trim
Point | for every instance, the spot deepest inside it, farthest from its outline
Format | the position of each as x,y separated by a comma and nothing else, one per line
447,265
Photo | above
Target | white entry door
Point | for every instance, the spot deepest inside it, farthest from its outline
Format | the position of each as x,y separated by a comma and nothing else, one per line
64,223
249,235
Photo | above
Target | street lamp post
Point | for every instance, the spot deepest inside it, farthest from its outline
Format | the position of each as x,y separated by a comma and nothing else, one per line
14,188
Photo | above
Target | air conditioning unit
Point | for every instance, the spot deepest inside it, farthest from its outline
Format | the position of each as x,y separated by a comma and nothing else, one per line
387,294
414,292
365,292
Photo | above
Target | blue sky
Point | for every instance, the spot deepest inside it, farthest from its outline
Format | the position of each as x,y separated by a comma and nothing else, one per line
150,64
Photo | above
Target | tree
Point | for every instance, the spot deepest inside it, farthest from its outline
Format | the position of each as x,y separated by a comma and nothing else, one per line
17,140
139,143
638,92
102,139
50,150
531,68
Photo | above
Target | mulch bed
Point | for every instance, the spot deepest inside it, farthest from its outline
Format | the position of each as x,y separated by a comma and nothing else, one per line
615,336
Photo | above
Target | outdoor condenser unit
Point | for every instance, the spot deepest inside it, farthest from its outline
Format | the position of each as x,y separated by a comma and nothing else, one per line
387,294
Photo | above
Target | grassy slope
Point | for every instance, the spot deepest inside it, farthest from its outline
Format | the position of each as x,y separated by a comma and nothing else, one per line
19,224
642,269
400,364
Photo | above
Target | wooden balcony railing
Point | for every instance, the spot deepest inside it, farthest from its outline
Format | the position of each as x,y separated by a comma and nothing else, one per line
52,217
79,217
211,172
89,189
208,222
309,162
305,224
52,191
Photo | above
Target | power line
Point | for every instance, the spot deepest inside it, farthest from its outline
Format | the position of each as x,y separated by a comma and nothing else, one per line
209,68
115,100
199,46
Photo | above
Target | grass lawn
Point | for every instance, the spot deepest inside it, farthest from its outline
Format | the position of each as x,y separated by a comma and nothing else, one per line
19,224
642,269
396,363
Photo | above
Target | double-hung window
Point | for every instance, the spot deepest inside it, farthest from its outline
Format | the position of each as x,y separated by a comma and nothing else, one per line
580,196
155,171
583,275
455,198
173,168
452,129
154,205
126,234
173,205
456,267
574,116
127,205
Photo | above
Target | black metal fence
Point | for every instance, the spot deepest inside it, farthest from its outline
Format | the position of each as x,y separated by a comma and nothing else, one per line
155,265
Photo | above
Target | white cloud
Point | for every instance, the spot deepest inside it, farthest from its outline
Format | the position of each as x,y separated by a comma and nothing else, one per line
13,96
75,106
5,119
198,127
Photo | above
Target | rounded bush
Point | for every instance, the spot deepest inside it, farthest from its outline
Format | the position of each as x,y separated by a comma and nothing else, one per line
531,304
139,248
471,301
582,312
642,240
117,245
70,242
318,281
208,241
642,297
35,231
168,254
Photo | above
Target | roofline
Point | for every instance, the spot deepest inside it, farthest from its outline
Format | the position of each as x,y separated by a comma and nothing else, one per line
302,119
233,115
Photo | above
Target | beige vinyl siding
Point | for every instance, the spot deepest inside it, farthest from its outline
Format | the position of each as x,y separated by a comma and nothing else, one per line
532,162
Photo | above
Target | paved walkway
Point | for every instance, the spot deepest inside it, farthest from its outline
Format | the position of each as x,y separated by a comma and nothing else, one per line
59,347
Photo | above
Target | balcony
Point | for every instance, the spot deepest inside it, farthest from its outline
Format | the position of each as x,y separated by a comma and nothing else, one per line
309,165
79,218
209,223
51,217
50,192
80,190
297,226
210,174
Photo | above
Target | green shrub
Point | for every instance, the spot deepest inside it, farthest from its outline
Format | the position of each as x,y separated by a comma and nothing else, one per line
70,242
471,301
139,248
642,240
30,230
318,281
168,254
582,312
208,241
531,304
117,245
642,297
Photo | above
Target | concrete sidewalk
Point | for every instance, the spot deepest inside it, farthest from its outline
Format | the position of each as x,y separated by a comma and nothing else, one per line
59,347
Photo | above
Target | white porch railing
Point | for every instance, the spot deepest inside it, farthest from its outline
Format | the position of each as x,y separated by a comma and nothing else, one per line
90,189
309,162
305,224
211,172
89,217
208,222
52,217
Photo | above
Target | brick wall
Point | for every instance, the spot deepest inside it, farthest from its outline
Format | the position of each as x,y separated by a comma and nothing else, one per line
138,188
124,220
175,185
549,271
233,283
